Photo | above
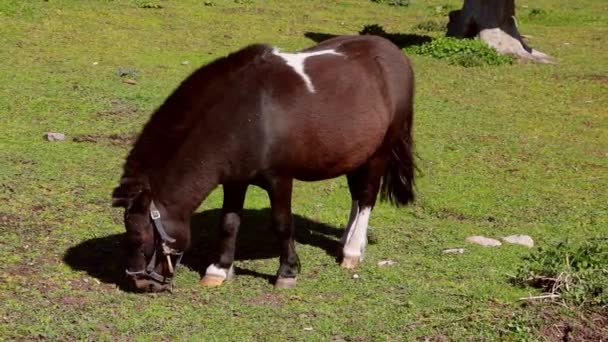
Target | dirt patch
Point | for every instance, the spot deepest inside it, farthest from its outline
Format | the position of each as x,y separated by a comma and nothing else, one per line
602,79
119,109
586,326
121,140
267,299
449,214
9,221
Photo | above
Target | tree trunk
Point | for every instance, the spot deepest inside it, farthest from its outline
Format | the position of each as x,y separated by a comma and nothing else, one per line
494,22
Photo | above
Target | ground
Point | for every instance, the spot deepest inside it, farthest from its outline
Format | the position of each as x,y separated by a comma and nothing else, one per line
515,149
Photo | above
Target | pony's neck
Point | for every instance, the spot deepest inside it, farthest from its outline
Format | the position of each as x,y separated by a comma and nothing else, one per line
182,193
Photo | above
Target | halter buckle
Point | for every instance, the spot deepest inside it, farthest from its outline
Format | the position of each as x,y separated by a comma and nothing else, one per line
155,214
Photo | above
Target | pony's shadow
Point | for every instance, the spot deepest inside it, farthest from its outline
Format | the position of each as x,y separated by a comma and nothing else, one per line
104,259
402,40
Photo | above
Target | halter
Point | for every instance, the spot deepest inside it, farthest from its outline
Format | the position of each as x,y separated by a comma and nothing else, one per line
161,238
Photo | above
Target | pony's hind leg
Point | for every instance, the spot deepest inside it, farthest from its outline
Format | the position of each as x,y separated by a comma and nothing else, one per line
364,184
234,196
279,191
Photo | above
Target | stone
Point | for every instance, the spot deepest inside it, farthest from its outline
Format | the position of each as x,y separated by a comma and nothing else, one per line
519,239
454,251
129,81
483,241
53,136
386,262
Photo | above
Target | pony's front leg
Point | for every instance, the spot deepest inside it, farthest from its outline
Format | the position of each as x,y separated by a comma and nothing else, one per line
234,196
282,222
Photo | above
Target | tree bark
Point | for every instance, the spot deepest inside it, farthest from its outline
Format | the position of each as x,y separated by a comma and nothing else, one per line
494,22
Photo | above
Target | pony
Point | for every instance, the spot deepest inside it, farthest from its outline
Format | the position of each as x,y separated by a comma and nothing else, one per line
264,117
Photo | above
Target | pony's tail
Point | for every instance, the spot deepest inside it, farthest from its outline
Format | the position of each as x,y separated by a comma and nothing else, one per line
398,180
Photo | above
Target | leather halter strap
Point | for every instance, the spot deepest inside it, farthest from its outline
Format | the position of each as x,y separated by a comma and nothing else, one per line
161,238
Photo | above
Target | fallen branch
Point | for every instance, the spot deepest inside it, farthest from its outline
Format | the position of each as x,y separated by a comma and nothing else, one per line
547,296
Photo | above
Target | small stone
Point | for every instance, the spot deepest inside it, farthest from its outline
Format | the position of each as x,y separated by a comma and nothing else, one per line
386,262
95,63
52,136
483,241
454,251
129,81
185,62
308,329
519,239
356,276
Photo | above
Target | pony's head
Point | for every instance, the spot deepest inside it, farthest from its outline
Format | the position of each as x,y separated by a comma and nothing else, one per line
150,259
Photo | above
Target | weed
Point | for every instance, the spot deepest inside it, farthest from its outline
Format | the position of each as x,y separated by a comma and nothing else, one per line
430,26
464,52
537,13
576,272
127,72
403,3
373,29
148,4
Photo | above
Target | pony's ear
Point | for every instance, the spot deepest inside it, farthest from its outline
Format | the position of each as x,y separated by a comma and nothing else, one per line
140,202
131,195
121,197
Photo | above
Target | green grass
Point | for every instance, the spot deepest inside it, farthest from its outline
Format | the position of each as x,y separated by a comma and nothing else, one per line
509,149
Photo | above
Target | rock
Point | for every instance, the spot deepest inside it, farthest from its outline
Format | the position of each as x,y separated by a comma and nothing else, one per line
129,81
386,262
185,62
308,329
52,136
519,239
355,276
454,251
483,241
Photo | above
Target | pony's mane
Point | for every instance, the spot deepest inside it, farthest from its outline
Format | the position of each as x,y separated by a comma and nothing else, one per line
169,126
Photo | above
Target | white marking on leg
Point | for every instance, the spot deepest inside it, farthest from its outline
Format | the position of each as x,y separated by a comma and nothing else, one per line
296,61
216,271
354,210
357,237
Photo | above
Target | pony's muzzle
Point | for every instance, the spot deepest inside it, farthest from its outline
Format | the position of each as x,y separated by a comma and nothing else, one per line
148,285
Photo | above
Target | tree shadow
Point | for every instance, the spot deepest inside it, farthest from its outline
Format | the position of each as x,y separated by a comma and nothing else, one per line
402,40
103,258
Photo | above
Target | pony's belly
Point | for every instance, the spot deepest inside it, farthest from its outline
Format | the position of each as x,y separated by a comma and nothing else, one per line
321,165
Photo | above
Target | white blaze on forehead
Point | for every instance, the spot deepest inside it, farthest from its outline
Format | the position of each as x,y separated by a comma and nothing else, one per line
296,61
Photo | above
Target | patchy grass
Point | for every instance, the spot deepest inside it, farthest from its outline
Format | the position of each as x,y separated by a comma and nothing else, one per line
463,52
575,273
508,149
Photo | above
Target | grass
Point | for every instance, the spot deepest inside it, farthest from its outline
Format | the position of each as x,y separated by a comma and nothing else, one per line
510,149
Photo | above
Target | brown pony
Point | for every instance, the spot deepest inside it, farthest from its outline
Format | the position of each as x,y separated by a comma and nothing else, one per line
263,117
